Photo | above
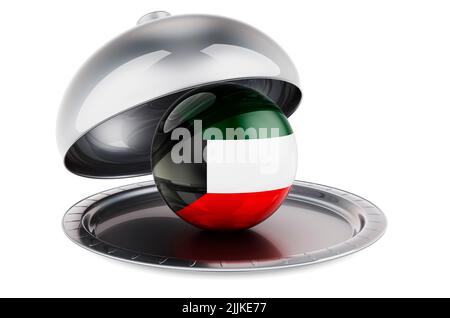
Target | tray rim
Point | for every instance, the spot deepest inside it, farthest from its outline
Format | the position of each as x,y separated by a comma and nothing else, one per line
373,227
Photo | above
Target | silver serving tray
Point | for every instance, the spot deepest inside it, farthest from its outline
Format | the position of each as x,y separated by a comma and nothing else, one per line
315,223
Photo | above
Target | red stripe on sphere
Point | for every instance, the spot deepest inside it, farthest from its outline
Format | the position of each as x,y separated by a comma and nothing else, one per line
233,211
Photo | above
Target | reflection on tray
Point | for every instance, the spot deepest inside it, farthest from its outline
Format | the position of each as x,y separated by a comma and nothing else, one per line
172,237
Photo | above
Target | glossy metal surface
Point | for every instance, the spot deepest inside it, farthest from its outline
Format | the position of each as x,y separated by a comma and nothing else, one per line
316,223
108,114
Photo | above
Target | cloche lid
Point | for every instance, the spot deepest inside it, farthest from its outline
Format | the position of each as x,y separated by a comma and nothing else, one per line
110,110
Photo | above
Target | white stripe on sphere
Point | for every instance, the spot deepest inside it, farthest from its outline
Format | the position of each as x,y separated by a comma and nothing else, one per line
251,165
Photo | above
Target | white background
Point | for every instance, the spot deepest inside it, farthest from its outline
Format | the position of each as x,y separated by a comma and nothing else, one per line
374,120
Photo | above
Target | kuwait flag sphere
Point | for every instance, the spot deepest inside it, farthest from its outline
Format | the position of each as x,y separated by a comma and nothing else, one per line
224,157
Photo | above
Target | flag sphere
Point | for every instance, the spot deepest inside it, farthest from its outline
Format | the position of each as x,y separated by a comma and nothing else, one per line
224,157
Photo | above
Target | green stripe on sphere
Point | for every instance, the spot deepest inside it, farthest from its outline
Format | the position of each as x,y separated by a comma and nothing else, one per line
228,106
261,121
